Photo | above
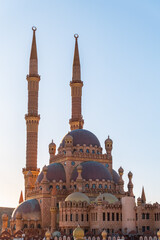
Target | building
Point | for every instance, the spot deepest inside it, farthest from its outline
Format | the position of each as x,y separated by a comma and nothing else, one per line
79,186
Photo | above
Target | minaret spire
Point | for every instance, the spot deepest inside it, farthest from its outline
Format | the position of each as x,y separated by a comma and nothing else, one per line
76,75
143,196
76,121
32,117
33,66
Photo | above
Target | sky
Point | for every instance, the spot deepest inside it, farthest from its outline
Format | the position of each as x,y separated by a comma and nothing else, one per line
119,46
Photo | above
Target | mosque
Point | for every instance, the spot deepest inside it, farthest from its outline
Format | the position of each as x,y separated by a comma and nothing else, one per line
79,186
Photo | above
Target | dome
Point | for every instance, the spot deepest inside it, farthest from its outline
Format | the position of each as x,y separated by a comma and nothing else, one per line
77,196
55,172
92,170
78,233
82,136
115,176
56,234
110,198
29,209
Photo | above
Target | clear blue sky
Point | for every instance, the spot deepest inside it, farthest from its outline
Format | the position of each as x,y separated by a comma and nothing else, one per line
119,48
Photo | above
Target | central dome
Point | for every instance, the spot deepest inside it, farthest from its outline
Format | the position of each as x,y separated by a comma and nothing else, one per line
82,136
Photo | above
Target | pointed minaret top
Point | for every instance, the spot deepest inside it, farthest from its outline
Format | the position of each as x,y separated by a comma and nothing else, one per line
143,196
76,52
21,198
33,68
76,76
34,47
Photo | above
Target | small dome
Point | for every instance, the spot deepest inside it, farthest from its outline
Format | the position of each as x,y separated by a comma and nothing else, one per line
77,196
78,233
69,137
56,234
28,209
48,234
92,170
104,234
82,136
55,172
108,197
52,144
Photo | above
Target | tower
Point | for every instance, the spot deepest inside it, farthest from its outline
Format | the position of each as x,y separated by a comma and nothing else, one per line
76,121
143,196
32,117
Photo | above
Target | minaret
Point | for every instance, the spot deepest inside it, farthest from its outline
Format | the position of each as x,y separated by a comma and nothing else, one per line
143,196
76,121
32,117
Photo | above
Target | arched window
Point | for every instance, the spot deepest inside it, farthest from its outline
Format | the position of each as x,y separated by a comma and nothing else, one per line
87,151
76,217
81,150
117,216
94,186
71,217
143,216
93,151
64,187
32,225
105,186
25,226
39,226
100,185
87,217
87,185
147,216
66,217
82,217
57,186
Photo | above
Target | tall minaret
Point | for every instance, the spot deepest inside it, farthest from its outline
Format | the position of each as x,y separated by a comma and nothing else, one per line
76,122
32,118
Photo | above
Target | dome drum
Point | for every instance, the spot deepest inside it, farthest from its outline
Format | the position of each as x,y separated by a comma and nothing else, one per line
84,150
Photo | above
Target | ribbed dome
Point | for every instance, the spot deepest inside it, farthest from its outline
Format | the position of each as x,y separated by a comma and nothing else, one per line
55,172
110,198
82,136
30,209
92,170
77,196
